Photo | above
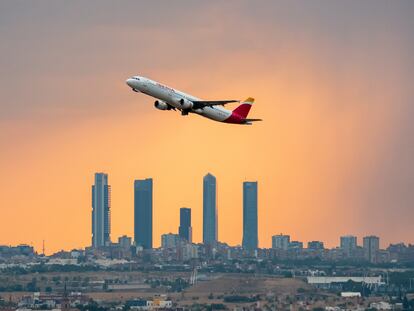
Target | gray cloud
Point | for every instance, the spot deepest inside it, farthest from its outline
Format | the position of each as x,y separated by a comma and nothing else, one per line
49,48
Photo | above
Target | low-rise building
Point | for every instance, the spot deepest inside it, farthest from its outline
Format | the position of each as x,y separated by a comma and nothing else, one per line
328,281
159,302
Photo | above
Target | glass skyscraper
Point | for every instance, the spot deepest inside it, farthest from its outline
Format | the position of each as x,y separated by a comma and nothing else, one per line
250,236
101,215
143,213
209,209
185,230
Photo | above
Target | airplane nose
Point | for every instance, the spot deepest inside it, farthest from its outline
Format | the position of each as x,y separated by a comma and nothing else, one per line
130,82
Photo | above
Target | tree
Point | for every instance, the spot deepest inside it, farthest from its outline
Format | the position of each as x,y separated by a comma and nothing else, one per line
406,304
32,286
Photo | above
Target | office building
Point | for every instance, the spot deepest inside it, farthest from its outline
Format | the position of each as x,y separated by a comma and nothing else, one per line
209,209
189,251
295,245
250,234
143,213
101,215
348,244
371,248
125,242
185,230
315,245
280,241
170,240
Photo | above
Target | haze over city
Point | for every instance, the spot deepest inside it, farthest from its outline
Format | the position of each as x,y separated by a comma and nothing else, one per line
332,157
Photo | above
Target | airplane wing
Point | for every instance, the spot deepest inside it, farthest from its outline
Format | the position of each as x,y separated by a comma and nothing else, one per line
199,104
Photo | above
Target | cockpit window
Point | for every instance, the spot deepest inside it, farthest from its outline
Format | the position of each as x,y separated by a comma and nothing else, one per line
136,78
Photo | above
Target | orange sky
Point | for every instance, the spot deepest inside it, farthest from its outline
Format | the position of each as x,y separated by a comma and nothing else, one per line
333,155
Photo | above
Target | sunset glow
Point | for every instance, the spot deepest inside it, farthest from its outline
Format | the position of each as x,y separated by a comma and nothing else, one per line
333,155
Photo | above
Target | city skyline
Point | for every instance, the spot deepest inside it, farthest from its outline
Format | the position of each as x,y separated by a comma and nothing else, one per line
332,81
143,221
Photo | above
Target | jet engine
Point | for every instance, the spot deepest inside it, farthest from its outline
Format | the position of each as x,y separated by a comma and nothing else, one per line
185,104
161,105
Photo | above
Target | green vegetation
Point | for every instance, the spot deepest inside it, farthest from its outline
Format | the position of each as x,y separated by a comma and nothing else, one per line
11,288
176,285
42,268
208,307
402,279
241,299
32,286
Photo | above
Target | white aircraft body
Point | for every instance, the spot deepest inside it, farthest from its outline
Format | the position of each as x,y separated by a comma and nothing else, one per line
171,99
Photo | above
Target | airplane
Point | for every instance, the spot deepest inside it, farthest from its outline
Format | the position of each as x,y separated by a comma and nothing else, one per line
171,99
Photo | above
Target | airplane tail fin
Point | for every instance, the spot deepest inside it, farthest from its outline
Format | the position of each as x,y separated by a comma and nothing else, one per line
244,108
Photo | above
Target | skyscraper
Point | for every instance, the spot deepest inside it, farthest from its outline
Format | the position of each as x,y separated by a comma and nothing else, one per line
371,248
185,230
209,209
348,244
250,236
143,213
101,216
